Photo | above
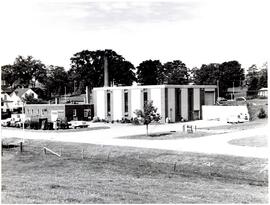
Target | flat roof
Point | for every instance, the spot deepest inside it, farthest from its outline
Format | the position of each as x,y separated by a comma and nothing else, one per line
36,105
154,86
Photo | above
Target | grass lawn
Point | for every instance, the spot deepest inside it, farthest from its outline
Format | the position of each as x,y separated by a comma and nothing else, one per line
255,141
167,136
239,126
111,174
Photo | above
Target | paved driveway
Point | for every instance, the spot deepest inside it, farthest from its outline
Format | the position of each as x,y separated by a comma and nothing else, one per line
215,144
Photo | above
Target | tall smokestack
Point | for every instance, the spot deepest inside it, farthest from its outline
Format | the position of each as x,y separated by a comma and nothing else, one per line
87,100
106,72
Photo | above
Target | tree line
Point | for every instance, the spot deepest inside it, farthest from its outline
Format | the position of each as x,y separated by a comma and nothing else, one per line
87,69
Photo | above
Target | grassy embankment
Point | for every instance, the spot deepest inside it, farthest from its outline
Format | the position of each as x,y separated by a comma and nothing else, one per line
111,174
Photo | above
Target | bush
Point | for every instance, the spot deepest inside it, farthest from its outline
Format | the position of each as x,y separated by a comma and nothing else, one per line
262,97
125,120
34,125
96,119
262,114
135,121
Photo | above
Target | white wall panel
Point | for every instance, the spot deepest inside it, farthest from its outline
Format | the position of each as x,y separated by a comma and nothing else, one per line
196,94
117,105
135,100
184,103
100,106
171,104
156,97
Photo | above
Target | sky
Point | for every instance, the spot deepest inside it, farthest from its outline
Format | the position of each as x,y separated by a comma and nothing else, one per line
194,31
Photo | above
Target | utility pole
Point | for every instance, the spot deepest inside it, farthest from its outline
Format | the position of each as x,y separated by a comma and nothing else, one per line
65,94
218,88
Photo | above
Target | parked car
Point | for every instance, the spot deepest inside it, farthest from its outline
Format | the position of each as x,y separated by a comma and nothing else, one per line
6,122
77,124
241,99
238,118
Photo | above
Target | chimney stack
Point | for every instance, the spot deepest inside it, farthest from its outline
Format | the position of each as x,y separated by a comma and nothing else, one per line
87,95
106,72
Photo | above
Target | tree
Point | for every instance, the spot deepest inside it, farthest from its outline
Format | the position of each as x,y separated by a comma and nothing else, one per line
56,81
29,99
148,114
24,72
263,76
228,74
175,72
87,68
149,72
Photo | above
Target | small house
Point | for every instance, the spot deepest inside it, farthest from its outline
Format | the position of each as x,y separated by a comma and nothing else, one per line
18,95
263,92
237,92
52,112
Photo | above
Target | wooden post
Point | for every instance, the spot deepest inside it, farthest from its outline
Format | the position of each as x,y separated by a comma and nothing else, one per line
21,147
108,157
174,167
82,154
44,150
47,149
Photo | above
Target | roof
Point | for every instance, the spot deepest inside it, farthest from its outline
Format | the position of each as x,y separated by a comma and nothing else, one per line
6,90
75,98
263,89
237,89
20,91
155,86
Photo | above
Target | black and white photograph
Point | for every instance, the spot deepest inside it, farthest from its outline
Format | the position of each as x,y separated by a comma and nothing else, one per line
134,101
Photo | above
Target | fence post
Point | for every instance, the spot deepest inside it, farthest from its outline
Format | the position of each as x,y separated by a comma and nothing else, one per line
21,146
82,154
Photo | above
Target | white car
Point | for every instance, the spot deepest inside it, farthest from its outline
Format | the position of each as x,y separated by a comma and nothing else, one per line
238,118
77,124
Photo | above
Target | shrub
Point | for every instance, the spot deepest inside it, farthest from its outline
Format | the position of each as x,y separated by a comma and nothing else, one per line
262,114
96,119
135,121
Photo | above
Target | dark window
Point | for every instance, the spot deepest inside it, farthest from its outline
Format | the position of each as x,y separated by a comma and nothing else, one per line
87,112
108,103
190,104
145,97
126,101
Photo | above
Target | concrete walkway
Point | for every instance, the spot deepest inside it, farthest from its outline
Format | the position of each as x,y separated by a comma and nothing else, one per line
215,144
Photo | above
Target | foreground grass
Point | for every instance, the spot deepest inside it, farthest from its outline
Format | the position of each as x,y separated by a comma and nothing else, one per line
110,174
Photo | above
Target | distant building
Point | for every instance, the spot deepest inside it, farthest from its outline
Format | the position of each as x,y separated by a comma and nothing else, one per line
6,102
18,95
237,92
52,112
175,102
75,99
263,92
